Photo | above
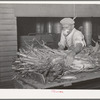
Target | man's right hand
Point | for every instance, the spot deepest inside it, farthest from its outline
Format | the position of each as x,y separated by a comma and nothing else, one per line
61,47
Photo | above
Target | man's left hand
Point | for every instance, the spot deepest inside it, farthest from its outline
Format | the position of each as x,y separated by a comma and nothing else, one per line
70,58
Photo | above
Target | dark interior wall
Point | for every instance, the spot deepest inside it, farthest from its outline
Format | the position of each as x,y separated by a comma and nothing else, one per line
96,27
26,25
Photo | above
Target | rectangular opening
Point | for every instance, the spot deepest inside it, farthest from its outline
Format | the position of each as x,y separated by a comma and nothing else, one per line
48,29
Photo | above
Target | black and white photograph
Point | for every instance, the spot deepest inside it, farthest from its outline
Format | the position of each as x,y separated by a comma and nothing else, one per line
50,46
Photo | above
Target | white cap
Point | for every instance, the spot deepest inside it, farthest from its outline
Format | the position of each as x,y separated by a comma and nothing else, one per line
67,21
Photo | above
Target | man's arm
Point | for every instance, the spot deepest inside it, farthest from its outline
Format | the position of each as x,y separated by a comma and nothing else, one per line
74,51
77,49
78,41
61,44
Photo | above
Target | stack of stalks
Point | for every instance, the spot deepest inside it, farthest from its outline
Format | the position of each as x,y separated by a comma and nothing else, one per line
49,62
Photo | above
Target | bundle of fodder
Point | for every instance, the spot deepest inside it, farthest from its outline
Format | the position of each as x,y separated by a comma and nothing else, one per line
51,63
83,63
41,59
88,59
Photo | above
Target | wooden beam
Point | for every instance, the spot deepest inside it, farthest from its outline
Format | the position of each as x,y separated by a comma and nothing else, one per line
8,53
5,69
8,43
8,38
6,10
8,27
8,48
8,33
7,22
6,59
7,16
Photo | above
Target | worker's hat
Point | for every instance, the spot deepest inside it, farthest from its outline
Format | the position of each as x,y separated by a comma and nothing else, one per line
65,21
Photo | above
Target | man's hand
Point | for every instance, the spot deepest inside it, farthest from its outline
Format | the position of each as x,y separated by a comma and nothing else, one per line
76,49
70,58
61,47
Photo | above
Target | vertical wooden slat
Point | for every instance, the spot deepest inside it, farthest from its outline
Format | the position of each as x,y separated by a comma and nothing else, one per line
8,41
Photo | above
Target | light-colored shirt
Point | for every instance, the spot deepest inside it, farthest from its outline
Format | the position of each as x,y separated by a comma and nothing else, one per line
72,39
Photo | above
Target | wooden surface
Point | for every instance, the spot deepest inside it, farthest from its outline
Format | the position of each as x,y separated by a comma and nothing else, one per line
57,10
7,58
36,85
7,27
6,69
8,41
8,38
8,33
7,16
7,22
6,10
8,48
13,53
81,77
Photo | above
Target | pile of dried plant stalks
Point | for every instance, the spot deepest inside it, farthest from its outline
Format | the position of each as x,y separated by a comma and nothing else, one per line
51,63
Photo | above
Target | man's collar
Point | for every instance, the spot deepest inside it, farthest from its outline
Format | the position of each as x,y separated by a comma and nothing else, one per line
71,32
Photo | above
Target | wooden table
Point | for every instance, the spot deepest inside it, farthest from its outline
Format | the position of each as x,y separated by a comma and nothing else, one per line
85,80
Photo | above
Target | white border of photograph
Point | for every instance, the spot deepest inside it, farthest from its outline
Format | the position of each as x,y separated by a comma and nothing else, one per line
49,93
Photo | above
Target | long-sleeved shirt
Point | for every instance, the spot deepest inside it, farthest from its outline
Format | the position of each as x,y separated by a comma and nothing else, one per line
72,39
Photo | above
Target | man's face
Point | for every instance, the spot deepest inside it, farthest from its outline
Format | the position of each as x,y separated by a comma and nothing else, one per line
67,28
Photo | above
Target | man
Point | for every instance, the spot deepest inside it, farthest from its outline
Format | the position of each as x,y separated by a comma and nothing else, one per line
71,38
